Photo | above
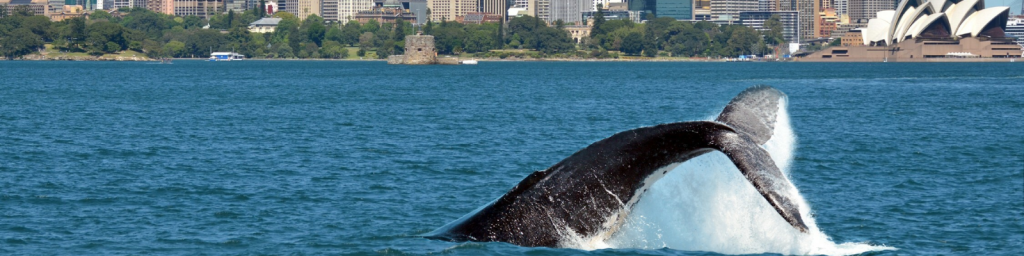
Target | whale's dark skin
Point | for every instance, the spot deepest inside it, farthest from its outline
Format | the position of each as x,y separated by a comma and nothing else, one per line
587,190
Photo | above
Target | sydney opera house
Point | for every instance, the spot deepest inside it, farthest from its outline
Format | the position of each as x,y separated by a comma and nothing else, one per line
930,30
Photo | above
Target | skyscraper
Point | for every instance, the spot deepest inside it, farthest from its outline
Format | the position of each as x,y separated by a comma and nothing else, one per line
867,9
568,11
347,8
728,11
449,9
329,10
809,15
676,9
305,8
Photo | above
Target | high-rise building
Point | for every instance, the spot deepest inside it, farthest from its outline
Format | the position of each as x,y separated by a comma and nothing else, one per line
202,8
701,9
727,11
118,4
56,5
329,10
1015,28
809,15
449,9
861,11
568,11
604,3
304,8
842,7
499,7
347,9
161,6
676,9
544,9
789,20
767,5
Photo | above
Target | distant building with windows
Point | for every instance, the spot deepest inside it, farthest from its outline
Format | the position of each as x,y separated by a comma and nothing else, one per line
789,19
347,9
38,7
264,25
676,9
304,8
1015,28
201,8
389,11
728,11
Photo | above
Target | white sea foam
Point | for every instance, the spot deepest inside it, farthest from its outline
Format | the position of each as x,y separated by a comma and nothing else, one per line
705,204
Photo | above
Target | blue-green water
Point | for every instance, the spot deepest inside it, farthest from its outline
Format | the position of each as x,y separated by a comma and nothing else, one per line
276,157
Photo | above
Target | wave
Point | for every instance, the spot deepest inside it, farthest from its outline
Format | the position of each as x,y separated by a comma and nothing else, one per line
705,204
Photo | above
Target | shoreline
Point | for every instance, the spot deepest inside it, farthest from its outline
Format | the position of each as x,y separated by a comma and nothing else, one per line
40,57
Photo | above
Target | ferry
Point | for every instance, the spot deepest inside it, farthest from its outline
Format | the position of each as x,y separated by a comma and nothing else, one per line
226,56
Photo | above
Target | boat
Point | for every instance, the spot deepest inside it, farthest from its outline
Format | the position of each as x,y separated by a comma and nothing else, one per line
469,62
226,56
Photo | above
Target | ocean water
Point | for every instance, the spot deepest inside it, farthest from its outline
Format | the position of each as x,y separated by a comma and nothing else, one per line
297,158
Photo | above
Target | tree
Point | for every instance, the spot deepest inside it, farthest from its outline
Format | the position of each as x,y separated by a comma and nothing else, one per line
386,49
371,26
350,33
743,39
366,41
398,34
100,15
632,44
333,34
333,50
773,32
231,18
39,25
174,49
314,27
112,47
285,51
100,33
201,42
192,21
19,42
261,9
597,27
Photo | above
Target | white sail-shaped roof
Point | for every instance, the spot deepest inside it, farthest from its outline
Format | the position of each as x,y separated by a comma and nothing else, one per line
939,5
960,11
876,31
974,24
912,18
885,15
924,23
901,19
909,18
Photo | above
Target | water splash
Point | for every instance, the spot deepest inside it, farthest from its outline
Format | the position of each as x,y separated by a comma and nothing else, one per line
705,204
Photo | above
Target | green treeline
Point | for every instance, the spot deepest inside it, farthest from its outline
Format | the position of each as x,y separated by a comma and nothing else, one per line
158,35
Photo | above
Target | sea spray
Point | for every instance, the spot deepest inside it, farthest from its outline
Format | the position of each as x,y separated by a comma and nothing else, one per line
705,204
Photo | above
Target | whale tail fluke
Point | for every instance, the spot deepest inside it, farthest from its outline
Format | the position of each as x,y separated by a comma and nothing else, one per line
753,112
753,115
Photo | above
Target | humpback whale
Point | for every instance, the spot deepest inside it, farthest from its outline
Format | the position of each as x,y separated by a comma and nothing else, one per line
592,191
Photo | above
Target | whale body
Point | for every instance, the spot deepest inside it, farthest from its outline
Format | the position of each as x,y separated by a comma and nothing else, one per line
591,192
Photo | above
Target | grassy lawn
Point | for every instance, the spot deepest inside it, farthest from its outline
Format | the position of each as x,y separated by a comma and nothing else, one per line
370,55
53,52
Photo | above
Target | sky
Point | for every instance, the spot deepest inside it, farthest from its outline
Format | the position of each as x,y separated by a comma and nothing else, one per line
1013,4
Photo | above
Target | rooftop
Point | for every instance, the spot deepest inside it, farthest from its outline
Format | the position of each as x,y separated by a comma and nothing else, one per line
266,22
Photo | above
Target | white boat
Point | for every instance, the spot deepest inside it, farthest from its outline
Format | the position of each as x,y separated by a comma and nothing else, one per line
226,56
469,62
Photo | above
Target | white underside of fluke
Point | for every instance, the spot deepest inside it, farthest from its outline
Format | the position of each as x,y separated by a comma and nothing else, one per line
705,204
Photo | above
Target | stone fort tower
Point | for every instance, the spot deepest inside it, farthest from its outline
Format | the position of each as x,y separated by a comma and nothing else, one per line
419,50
